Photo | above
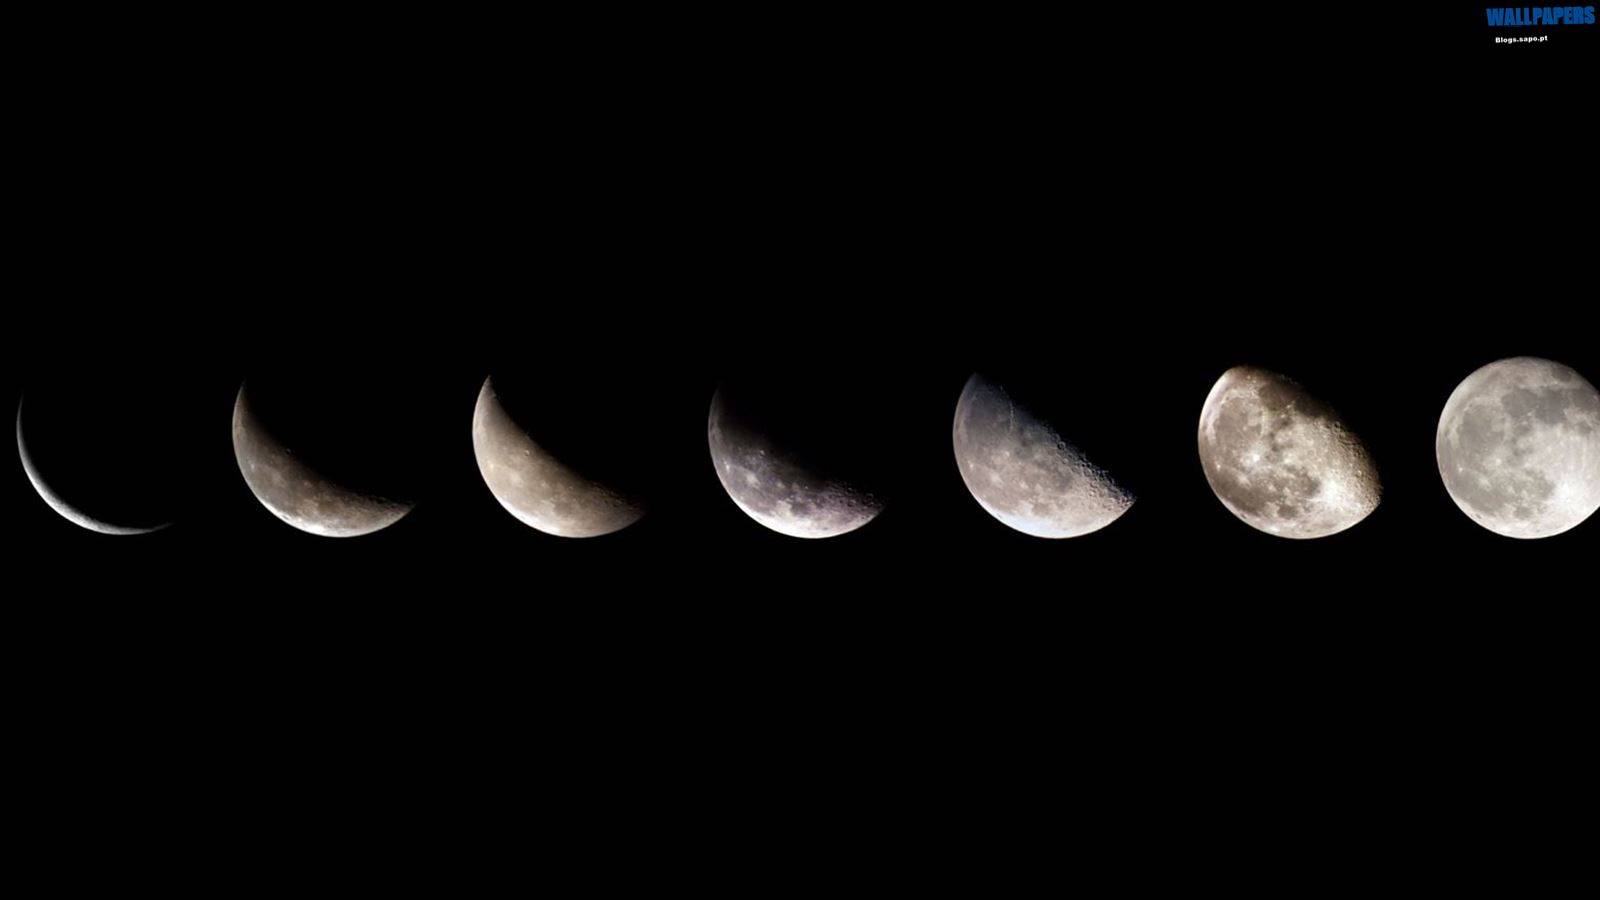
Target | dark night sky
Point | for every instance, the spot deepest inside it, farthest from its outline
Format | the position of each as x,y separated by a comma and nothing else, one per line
1132,220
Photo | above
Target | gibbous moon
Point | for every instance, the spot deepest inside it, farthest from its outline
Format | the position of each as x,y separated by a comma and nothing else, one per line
1282,461
56,502
783,486
540,490
1023,473
1519,447
295,492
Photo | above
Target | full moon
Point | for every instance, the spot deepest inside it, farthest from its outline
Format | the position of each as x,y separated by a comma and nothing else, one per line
297,493
542,491
1281,460
1519,447
791,490
1023,473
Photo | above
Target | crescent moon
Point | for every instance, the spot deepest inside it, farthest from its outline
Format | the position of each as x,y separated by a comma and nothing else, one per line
538,489
61,506
298,494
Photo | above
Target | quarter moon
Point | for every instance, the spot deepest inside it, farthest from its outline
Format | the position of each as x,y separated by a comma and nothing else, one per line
1518,447
1281,460
538,489
298,494
777,486
1022,472
56,502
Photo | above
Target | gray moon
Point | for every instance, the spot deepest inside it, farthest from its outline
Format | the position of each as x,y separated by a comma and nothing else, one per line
56,502
1023,473
778,489
540,490
1281,460
1519,447
298,494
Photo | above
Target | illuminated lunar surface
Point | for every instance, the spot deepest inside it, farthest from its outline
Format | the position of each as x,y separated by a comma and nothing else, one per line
1023,473
56,502
780,488
298,494
1282,461
536,487
1519,447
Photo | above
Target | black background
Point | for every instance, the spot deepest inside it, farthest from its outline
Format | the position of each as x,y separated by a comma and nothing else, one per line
1129,207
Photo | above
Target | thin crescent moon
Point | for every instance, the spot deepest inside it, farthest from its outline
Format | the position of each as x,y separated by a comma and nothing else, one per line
61,506
298,494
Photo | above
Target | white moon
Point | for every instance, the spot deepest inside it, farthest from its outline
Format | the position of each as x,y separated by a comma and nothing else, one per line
1519,447
298,494
61,506
777,487
1282,461
1024,474
540,490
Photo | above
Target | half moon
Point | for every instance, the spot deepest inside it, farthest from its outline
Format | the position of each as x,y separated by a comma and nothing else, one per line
538,489
298,494
61,506
777,487
1023,473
